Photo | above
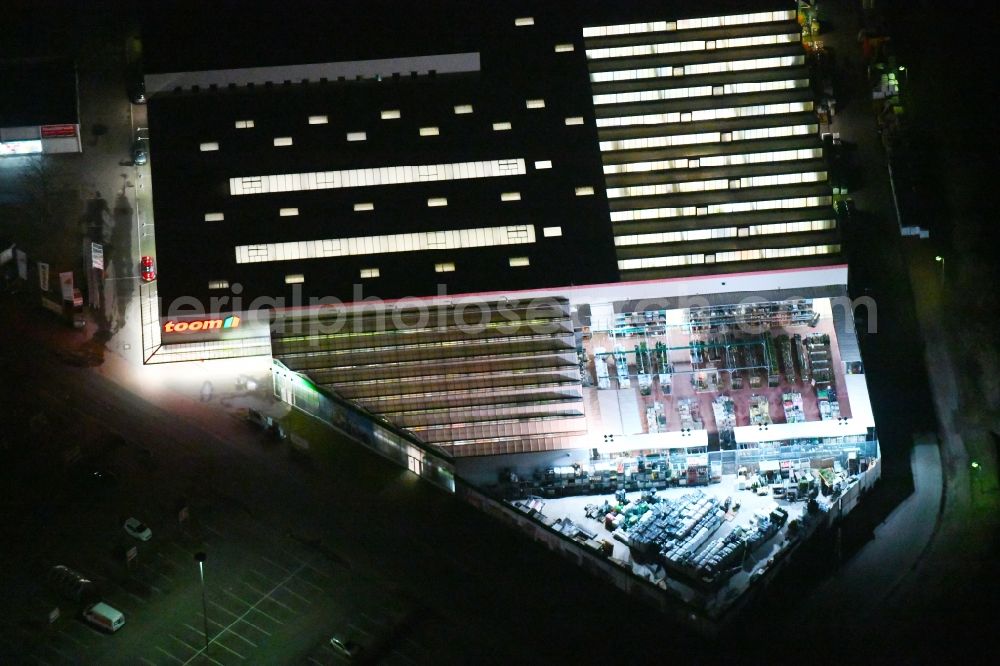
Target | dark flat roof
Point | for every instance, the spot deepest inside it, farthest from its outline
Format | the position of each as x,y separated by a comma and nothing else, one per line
37,92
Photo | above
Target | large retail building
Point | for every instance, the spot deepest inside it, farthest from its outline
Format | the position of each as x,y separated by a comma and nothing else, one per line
542,246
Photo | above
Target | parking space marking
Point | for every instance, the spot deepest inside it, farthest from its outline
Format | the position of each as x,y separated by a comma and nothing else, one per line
252,608
156,572
169,654
216,641
315,587
40,660
65,634
59,652
214,531
224,629
275,564
270,598
244,621
183,642
316,662
151,663
296,594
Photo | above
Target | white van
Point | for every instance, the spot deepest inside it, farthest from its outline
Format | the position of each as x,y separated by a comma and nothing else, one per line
104,616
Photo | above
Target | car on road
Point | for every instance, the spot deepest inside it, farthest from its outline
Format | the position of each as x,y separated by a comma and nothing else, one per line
345,646
147,269
138,529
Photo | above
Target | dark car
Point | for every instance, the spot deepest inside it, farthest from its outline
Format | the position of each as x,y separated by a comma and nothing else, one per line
94,478
140,149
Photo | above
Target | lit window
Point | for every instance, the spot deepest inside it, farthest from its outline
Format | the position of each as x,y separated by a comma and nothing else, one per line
543,164
518,261
318,120
429,131
369,273
209,146
463,108
499,127
510,196
282,141
535,103
295,278
447,267
214,217
390,114
564,48
288,212
552,231
584,191
364,206
524,20
218,284
357,136
244,124
435,202
574,120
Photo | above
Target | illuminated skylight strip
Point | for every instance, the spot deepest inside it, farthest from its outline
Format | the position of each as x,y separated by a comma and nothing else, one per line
665,48
688,24
365,245
721,257
647,142
724,232
706,114
392,175
652,95
743,65
716,184
714,161
713,209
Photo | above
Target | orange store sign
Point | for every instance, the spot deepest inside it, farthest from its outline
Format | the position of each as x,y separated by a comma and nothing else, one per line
231,321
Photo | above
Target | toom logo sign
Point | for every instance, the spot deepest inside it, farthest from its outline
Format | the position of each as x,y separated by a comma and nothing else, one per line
201,325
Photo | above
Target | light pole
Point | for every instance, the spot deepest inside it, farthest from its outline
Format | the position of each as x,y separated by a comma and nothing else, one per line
200,558
940,260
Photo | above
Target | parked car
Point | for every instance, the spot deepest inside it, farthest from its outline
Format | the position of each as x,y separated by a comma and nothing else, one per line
104,617
147,269
138,529
70,584
140,148
345,646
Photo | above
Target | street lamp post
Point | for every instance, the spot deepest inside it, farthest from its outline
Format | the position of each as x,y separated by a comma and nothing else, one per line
200,558
940,260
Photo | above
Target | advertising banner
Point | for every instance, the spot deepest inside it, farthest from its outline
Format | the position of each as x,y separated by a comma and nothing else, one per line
22,265
66,284
52,131
43,276
97,256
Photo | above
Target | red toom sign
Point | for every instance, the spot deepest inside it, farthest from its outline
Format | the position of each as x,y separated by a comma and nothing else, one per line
231,321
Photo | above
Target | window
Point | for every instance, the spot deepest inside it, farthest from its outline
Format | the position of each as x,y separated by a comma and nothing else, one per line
295,278
357,136
364,206
429,131
218,284
463,108
318,120
447,267
563,48
282,141
288,212
500,127
214,217
369,273
524,20
390,114
516,262
549,232
543,164
535,103
510,196
574,120
435,202
584,191
244,124
209,146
